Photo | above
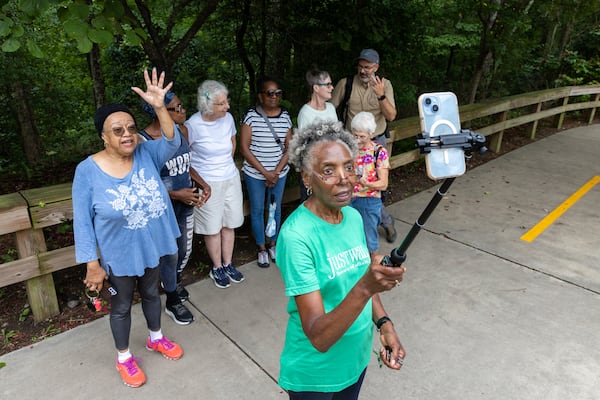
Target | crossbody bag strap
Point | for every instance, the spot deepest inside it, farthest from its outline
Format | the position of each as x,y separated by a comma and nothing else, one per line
378,148
260,110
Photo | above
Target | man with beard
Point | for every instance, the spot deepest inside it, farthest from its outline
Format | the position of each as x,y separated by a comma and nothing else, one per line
372,93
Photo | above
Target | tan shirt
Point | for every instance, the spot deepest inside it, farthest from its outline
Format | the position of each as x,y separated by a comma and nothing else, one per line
363,98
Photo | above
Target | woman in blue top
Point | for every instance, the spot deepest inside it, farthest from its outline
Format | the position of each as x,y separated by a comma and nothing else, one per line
330,278
124,221
182,183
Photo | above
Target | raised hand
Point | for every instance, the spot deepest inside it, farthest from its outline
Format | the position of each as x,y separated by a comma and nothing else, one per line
155,89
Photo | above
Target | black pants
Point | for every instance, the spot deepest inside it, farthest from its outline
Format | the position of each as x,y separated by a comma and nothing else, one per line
120,308
350,393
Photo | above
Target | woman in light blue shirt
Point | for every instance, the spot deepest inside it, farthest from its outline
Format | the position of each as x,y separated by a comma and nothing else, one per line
124,221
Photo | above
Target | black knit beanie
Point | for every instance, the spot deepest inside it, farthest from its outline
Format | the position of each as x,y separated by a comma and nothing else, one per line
103,112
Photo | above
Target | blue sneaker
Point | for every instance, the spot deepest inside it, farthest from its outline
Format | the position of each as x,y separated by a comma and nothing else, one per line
234,275
219,277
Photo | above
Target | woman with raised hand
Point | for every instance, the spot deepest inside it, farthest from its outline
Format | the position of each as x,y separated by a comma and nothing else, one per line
124,222
187,190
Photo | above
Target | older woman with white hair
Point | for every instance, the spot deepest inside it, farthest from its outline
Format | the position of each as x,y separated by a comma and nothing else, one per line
372,165
211,134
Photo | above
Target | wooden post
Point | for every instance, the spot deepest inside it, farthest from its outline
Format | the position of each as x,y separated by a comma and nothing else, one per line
40,290
496,139
593,113
561,119
535,123
389,145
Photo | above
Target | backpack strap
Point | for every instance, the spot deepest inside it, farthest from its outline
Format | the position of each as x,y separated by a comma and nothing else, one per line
343,107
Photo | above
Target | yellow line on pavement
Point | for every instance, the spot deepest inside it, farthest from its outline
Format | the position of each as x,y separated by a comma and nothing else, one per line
558,211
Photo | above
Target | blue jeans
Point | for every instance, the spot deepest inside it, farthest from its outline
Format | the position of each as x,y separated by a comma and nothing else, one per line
171,265
258,195
370,210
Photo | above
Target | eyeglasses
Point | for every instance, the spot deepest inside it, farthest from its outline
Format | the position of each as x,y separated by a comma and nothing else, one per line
119,131
366,67
326,84
223,103
178,108
273,93
330,176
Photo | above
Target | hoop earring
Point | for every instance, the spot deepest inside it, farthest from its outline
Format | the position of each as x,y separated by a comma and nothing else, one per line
309,192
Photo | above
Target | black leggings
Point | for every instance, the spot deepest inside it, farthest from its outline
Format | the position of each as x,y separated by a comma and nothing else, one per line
350,393
120,308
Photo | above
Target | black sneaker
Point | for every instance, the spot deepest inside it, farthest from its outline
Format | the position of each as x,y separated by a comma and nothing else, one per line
390,233
180,314
183,294
234,275
219,277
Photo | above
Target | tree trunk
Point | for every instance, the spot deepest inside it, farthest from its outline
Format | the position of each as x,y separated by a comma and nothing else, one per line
243,52
99,88
30,136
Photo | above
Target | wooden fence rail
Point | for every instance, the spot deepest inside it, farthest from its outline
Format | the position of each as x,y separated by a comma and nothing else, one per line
26,213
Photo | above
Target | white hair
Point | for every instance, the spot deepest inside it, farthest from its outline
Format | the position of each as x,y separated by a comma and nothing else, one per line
364,122
207,92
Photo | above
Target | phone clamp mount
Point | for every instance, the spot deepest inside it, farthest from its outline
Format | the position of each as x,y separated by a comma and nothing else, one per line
466,140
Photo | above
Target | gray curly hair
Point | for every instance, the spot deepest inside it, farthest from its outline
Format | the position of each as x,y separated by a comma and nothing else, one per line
207,91
303,140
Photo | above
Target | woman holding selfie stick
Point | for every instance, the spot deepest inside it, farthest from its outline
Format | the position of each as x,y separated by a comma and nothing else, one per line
331,280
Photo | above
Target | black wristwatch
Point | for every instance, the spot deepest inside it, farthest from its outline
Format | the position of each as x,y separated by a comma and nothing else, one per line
382,321
382,97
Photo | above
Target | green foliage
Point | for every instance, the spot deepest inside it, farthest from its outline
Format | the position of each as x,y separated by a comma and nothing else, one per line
424,46
579,71
10,255
6,337
25,312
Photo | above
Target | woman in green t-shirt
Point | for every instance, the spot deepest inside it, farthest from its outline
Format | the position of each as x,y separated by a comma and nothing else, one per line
329,276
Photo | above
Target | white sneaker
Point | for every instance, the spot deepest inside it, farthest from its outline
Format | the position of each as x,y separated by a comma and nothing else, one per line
272,253
263,259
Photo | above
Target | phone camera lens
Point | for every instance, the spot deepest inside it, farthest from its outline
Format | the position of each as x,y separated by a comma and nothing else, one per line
428,101
435,108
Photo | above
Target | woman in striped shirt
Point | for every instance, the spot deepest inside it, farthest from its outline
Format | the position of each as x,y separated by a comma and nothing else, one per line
264,135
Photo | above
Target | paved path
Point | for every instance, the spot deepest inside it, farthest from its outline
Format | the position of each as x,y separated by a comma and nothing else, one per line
482,313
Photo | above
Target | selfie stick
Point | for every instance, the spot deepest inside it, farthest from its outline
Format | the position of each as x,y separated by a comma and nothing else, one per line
466,140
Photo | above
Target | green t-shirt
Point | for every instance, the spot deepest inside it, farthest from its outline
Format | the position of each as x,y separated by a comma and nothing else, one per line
315,255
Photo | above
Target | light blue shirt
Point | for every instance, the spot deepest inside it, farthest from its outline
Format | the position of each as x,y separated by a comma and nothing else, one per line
129,221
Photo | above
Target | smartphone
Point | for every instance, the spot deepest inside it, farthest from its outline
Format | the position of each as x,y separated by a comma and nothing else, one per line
438,113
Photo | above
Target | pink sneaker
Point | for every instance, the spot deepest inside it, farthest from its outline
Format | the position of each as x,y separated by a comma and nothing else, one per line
131,374
170,350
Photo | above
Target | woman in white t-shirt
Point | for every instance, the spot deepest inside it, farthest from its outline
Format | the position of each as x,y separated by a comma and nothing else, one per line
211,133
318,108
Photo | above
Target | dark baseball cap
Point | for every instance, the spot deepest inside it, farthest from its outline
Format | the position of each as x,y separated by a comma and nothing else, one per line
370,55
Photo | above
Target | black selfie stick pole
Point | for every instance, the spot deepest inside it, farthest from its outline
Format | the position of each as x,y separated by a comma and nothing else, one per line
398,256
468,141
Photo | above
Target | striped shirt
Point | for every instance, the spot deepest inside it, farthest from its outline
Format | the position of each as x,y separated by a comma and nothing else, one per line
262,143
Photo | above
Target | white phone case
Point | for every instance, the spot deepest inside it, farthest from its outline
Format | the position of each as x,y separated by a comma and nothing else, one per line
439,116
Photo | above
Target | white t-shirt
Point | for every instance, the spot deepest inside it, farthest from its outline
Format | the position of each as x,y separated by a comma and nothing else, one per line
309,115
211,146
